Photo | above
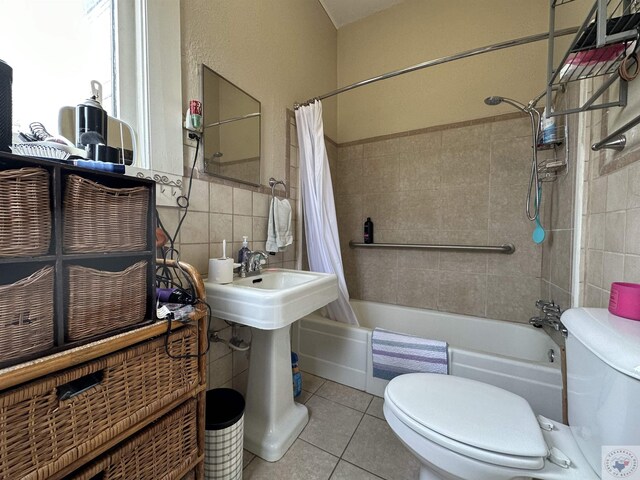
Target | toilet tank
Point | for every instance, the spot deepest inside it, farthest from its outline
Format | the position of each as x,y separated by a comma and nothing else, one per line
603,380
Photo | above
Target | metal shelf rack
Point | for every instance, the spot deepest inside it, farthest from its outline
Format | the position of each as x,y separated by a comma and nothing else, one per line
608,34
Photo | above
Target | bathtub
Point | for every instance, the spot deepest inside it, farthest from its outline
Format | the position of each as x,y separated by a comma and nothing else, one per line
509,355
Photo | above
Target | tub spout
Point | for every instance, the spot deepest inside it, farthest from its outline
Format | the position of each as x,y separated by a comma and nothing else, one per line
536,322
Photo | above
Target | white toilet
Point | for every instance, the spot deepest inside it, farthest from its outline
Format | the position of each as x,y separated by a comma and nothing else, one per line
464,429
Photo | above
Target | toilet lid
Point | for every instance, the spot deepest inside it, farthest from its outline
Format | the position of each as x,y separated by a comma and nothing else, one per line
469,412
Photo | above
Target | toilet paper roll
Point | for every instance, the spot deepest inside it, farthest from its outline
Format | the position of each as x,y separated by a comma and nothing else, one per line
220,270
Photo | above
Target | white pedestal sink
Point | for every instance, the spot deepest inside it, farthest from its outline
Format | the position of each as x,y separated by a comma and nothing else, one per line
271,302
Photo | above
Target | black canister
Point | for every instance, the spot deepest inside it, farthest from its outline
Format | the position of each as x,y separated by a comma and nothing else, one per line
91,119
6,80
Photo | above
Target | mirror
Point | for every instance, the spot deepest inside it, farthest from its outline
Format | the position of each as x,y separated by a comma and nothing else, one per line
231,130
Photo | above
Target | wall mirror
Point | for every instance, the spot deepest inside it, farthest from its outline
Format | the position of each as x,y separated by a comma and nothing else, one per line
231,130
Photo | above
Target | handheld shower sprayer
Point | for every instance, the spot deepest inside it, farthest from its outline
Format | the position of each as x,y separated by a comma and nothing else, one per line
534,115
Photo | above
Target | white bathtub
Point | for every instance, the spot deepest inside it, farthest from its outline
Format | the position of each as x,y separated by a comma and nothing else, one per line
509,355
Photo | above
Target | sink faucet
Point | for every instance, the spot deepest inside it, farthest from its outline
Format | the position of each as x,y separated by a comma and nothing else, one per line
252,264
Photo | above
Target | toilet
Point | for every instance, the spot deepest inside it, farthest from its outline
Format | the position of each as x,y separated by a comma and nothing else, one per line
462,429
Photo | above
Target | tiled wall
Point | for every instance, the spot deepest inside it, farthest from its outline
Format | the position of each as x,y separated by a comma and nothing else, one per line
611,220
460,184
221,209
557,214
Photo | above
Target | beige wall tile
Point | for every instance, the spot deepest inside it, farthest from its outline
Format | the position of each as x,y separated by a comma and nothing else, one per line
465,208
512,128
510,161
561,201
380,174
419,210
261,204
424,142
242,226
220,227
199,199
195,228
170,218
390,146
598,195
470,262
377,275
351,152
632,269
419,170
220,198
596,230
559,296
614,232
418,288
561,258
348,178
617,190
197,255
471,135
612,269
633,231
594,267
242,202
462,293
525,261
465,164
259,230
384,209
512,298
633,192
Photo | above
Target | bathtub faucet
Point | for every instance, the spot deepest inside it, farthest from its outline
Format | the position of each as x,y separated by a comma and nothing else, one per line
550,316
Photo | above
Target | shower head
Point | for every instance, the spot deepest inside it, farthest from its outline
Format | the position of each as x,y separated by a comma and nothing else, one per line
495,100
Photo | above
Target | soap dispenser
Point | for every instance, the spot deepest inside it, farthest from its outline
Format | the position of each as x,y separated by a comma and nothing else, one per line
244,251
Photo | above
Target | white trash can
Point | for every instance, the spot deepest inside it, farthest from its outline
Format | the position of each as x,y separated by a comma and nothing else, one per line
224,422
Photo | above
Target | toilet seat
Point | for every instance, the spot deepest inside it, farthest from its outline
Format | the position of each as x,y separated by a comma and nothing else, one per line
471,418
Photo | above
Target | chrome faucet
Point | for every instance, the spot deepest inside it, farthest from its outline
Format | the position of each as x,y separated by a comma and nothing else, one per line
252,264
550,317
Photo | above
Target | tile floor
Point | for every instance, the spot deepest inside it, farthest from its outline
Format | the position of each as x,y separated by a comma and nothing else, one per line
346,438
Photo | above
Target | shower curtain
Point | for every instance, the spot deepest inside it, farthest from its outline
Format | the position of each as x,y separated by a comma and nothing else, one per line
321,226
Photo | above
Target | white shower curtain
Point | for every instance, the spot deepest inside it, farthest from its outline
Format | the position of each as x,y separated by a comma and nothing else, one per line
321,226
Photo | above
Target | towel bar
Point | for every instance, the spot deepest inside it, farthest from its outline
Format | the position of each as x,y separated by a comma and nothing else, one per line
507,248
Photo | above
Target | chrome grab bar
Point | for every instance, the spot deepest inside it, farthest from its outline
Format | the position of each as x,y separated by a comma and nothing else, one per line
507,248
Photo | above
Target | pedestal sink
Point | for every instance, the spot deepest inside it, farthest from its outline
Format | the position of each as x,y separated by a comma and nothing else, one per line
270,302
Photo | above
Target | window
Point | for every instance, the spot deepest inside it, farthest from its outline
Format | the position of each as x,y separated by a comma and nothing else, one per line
131,46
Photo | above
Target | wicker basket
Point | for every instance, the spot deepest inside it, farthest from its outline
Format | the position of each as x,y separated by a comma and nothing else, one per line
104,219
43,432
102,301
25,216
161,452
26,315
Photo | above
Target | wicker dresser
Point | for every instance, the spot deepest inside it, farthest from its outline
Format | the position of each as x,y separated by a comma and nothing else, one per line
116,408
91,385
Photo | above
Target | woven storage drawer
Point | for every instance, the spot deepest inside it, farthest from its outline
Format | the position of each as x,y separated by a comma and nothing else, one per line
26,315
101,301
25,216
98,218
45,426
160,452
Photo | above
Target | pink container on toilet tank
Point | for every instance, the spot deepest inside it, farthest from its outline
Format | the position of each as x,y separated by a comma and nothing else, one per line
624,300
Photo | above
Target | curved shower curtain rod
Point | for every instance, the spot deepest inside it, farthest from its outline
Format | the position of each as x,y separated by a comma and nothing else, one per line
459,56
